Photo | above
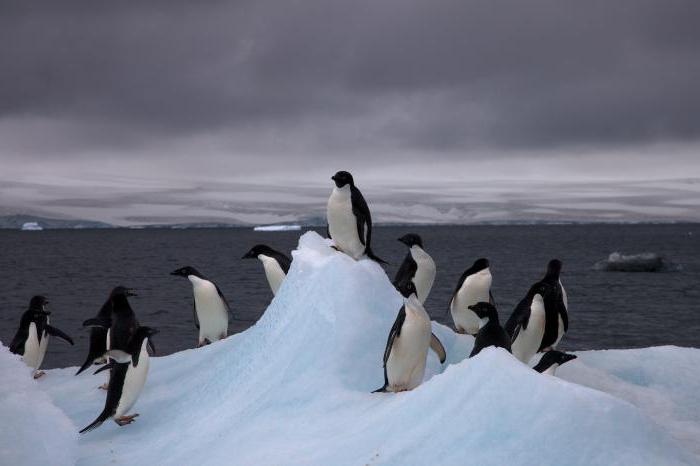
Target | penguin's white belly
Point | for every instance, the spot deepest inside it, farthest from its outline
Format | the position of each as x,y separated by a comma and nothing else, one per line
529,340
133,383
34,351
274,273
475,289
425,273
342,224
405,367
211,312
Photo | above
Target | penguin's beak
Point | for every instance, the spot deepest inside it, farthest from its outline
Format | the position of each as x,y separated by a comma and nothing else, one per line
333,177
175,272
130,292
249,255
404,241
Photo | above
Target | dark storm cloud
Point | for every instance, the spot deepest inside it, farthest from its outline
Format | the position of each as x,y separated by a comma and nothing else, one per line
443,77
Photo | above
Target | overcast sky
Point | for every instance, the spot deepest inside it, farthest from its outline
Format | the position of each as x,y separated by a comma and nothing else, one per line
285,91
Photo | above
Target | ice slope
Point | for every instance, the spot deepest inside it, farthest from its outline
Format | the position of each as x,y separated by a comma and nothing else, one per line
295,389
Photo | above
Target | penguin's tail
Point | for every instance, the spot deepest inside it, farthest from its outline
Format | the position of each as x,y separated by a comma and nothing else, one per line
371,255
97,422
380,390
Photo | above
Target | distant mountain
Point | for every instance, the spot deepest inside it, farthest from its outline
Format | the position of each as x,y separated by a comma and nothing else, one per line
15,222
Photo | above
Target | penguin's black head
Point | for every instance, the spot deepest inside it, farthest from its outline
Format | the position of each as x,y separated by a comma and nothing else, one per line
407,289
122,291
411,239
39,303
480,264
342,178
483,309
186,272
556,357
256,250
554,268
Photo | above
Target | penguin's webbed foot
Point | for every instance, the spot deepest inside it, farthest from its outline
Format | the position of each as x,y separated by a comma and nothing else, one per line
104,386
38,374
125,420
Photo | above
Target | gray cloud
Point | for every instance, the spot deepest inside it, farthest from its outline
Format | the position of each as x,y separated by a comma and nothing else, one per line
245,83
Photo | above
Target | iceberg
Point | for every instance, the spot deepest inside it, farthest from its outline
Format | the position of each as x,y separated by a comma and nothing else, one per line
277,228
31,226
644,262
294,389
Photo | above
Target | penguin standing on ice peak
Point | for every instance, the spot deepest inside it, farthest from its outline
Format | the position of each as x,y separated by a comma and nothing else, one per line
551,360
98,333
545,302
474,286
32,337
526,325
127,377
490,332
417,267
349,219
275,263
407,345
210,306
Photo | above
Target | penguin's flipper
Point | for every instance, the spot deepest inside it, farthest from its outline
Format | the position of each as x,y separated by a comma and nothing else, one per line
53,331
194,313
97,422
394,333
88,362
223,298
17,344
436,346
98,322
519,318
152,346
105,367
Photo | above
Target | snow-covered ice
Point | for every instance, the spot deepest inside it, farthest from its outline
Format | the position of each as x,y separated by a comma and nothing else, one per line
295,389
644,262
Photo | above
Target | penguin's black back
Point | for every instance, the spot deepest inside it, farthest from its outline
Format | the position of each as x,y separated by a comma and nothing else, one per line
124,324
406,272
491,334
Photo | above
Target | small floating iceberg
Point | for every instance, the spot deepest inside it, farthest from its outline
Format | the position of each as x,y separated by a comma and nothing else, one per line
31,226
277,228
644,262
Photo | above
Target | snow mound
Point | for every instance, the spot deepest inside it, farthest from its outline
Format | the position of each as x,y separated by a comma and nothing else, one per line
33,431
644,262
295,389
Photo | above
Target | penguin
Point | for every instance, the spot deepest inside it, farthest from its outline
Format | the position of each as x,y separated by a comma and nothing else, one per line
127,377
555,304
474,286
417,267
210,306
551,360
98,334
275,263
349,219
32,337
526,325
490,331
407,345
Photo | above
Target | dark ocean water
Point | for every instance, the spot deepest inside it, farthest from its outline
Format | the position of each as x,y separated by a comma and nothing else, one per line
76,269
